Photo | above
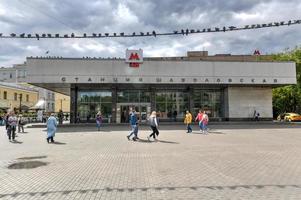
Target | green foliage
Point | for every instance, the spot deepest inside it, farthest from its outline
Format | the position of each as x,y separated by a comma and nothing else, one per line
288,98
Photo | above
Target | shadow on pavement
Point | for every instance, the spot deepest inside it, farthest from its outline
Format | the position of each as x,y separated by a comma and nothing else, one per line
107,128
144,141
27,165
152,141
144,189
58,143
167,142
16,142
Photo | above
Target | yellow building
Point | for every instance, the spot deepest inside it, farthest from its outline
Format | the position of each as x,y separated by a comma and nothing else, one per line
62,102
14,96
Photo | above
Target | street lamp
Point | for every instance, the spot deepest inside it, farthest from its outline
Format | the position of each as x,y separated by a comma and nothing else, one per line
62,103
20,97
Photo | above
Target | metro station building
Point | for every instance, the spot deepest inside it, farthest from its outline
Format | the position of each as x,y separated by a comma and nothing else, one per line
228,87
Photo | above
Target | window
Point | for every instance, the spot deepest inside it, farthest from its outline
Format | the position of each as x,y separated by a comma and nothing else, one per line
19,72
133,96
10,75
27,97
15,96
171,104
208,100
4,95
90,102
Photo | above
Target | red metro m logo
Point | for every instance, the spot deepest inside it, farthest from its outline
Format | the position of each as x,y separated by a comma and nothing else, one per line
134,57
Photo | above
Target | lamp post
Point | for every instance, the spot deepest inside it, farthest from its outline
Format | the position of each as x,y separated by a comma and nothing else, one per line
20,97
62,103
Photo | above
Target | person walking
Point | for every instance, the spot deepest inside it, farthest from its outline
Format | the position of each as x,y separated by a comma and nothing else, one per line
154,126
77,118
51,128
257,116
199,120
60,115
187,121
98,120
175,114
12,124
44,118
88,117
21,123
134,126
6,120
205,120
1,120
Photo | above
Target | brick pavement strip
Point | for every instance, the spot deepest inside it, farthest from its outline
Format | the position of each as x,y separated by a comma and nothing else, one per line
239,163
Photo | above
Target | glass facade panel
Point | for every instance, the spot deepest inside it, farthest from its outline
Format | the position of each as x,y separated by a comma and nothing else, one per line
134,96
144,96
208,100
90,102
171,105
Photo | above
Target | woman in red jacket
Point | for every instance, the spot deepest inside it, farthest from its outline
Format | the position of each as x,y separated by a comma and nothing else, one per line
199,118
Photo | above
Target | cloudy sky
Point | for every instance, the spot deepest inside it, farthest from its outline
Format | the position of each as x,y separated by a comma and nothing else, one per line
100,16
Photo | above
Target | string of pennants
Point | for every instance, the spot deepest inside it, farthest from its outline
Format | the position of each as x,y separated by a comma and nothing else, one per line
184,32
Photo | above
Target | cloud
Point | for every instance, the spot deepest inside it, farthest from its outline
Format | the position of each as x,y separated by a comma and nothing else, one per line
100,16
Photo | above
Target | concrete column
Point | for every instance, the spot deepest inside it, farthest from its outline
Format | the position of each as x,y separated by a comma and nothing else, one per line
225,98
114,104
153,98
73,104
190,100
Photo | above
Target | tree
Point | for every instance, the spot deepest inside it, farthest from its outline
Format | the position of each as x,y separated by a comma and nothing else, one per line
288,98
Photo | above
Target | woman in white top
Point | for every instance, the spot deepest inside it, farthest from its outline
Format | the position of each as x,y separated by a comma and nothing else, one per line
153,122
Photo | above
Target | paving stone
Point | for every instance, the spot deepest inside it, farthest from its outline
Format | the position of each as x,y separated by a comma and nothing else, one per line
243,162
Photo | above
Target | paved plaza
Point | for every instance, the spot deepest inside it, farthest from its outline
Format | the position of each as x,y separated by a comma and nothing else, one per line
232,162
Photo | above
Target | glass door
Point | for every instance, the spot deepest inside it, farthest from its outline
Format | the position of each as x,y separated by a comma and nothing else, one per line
124,110
143,113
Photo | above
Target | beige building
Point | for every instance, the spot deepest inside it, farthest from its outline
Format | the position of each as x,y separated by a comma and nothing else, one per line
62,102
49,101
14,96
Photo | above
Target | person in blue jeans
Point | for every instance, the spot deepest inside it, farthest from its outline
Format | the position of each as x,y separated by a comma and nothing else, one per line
98,120
134,126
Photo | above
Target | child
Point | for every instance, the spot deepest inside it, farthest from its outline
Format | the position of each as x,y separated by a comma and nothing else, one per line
98,120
